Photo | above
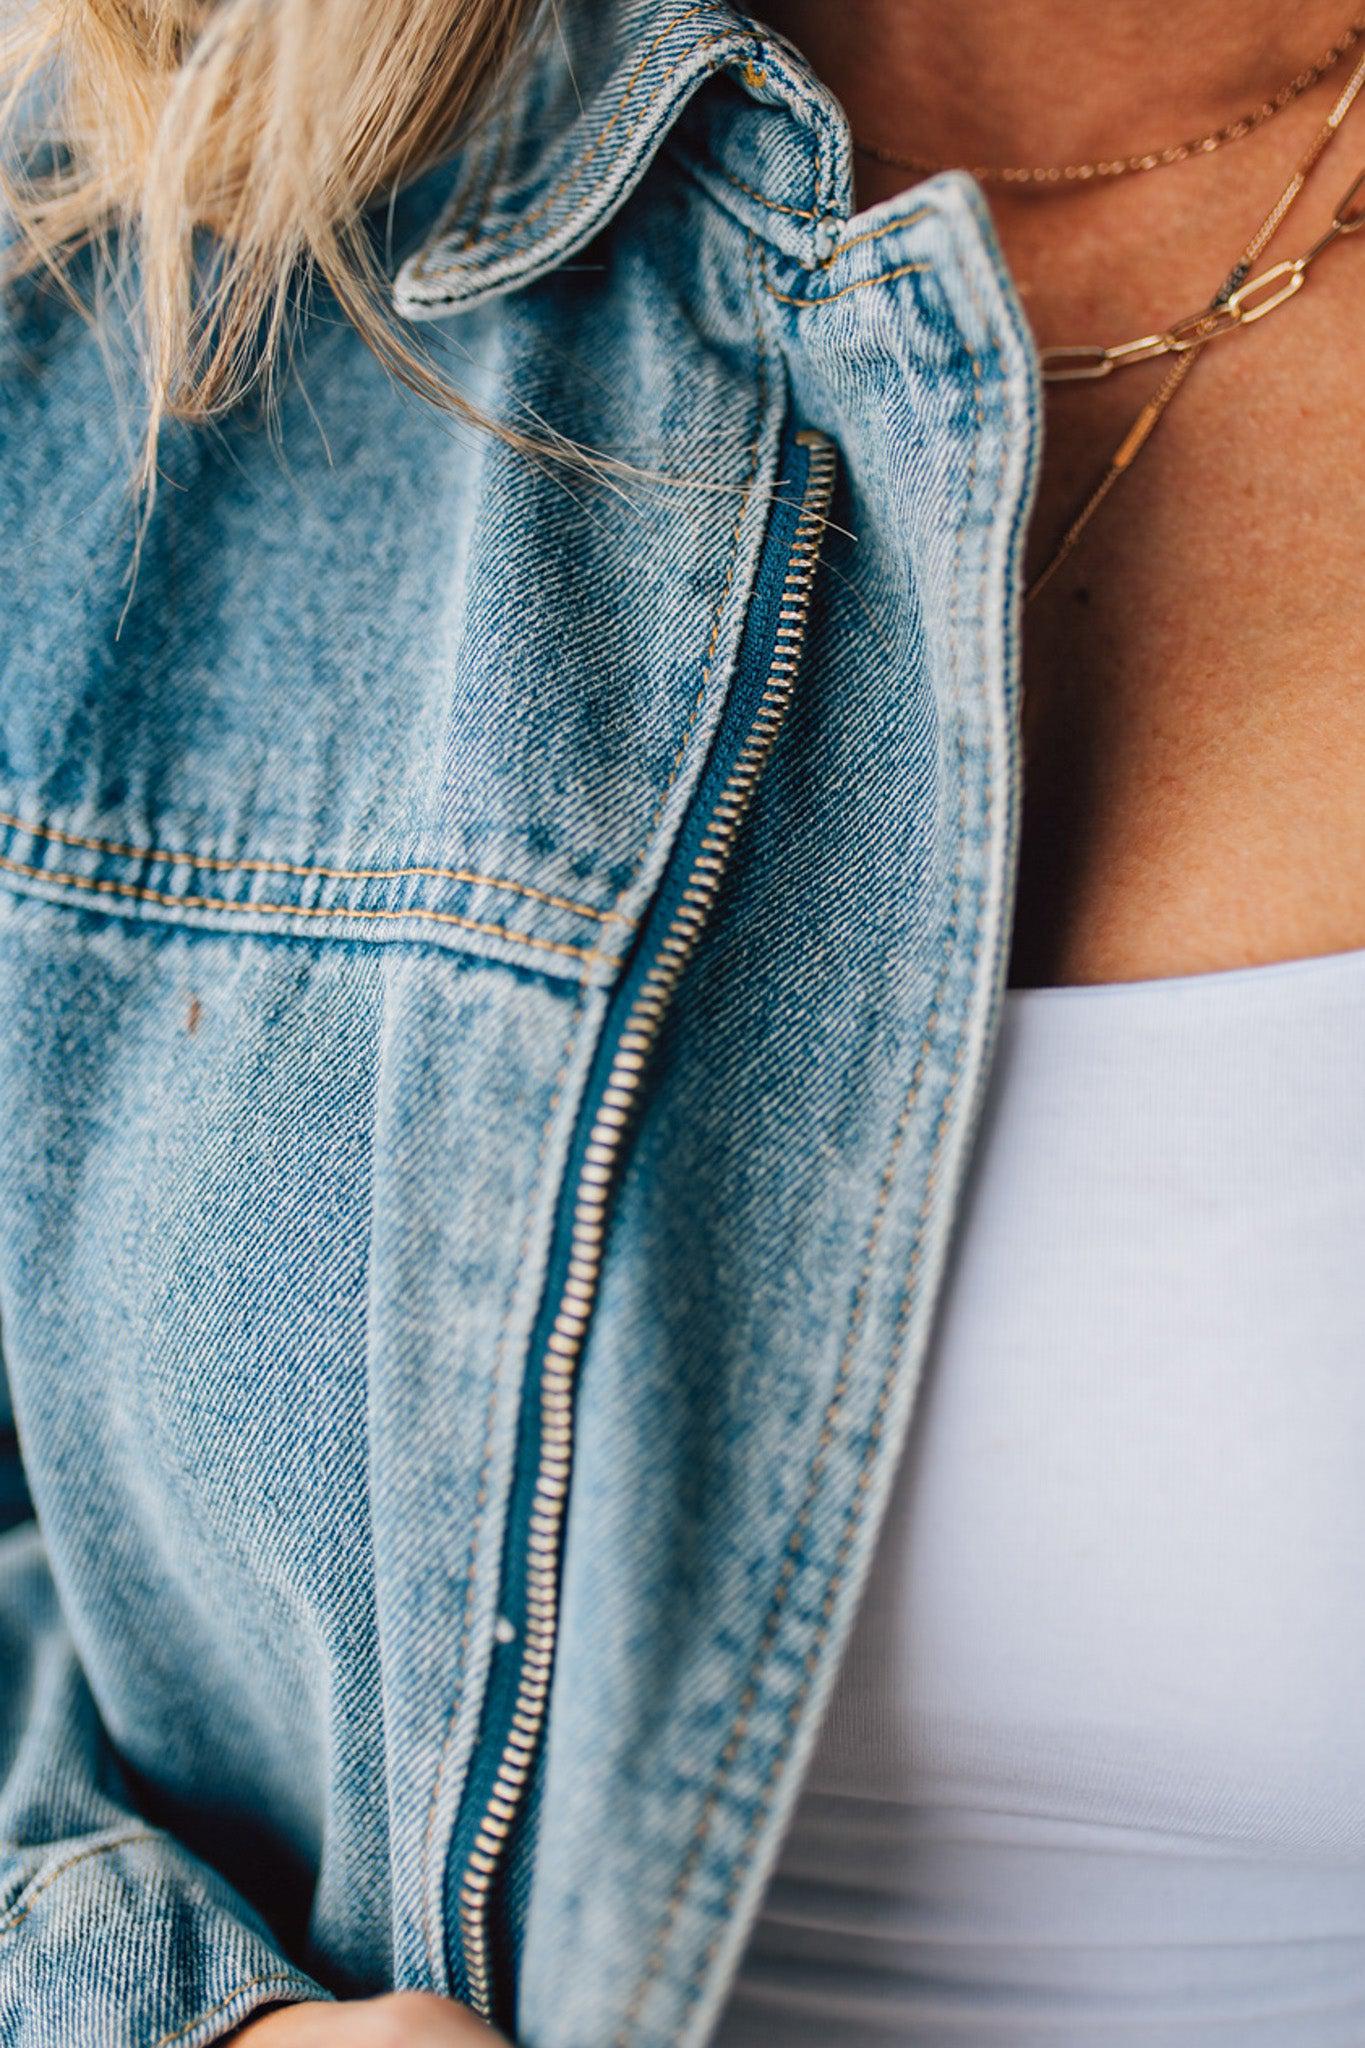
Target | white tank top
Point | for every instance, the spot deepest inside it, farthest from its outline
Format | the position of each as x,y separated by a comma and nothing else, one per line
1094,1768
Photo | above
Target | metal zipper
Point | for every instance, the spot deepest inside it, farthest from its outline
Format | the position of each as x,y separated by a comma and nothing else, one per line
698,867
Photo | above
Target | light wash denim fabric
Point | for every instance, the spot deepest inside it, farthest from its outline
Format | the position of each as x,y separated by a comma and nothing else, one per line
329,876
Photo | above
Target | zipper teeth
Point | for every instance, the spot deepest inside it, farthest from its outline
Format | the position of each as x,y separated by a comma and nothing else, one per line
596,1180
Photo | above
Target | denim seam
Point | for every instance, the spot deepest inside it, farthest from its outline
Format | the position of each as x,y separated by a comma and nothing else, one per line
435,1966
221,864
29,1899
907,220
814,100
497,157
435,265
773,205
753,1691
215,2011
475,180
854,1511
589,955
859,284
704,686
526,220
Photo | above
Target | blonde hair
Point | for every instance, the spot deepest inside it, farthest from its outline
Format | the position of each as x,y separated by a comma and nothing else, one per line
274,124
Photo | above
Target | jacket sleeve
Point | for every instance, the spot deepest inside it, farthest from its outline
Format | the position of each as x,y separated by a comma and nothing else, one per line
111,1934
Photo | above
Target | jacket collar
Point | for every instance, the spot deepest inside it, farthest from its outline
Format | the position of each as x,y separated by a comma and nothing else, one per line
590,110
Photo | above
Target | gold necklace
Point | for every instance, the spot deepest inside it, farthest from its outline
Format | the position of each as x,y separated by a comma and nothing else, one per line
1048,176
1236,303
1082,362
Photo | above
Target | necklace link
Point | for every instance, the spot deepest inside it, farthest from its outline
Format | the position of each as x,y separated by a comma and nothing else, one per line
1197,328
1076,362
1247,304
1140,351
1253,298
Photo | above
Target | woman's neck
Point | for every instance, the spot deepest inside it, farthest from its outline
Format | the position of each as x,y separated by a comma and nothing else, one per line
1047,81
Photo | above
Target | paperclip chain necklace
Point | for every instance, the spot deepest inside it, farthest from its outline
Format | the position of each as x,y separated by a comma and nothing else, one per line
1240,300
1046,175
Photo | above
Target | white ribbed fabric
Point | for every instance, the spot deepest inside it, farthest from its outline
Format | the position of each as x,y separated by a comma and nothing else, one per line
1094,1769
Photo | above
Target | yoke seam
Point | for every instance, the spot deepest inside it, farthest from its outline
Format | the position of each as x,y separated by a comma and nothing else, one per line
98,885
222,864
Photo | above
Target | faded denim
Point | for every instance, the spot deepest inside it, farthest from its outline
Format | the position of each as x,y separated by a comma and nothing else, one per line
317,879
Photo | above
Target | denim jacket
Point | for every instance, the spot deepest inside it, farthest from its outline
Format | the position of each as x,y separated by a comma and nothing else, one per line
498,968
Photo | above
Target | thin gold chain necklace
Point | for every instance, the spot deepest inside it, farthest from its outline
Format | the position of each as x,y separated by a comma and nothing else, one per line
1240,300
1049,176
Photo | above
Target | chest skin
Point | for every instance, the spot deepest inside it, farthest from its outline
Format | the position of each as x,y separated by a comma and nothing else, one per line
1196,730
1197,758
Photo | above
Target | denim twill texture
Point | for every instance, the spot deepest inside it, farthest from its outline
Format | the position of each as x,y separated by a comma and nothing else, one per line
318,879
